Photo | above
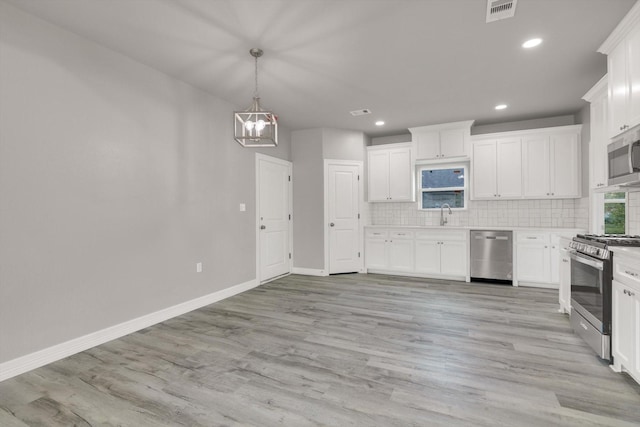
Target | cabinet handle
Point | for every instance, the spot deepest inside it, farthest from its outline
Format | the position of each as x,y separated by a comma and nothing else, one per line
564,260
631,273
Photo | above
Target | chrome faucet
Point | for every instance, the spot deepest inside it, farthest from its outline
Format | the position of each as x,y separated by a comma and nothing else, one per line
443,220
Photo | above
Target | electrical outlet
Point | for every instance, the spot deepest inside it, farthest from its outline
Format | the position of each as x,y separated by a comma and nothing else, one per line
243,207
199,267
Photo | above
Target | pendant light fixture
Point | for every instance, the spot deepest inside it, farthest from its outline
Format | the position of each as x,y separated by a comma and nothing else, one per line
255,127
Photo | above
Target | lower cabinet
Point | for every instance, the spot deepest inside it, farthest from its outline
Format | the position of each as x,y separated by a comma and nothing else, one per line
442,253
625,317
538,261
428,253
564,273
533,259
389,250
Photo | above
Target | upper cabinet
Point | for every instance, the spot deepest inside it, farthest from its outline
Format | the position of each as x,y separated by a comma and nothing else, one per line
597,97
623,60
496,169
532,164
390,169
442,141
551,166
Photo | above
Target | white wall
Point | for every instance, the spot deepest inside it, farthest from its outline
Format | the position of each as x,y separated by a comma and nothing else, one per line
115,180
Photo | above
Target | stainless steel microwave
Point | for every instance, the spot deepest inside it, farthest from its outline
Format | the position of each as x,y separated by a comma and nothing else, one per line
624,159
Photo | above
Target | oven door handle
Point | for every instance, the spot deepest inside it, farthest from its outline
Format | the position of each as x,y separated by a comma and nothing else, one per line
599,265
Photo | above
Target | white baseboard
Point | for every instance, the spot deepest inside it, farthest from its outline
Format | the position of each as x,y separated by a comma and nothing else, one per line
48,355
308,271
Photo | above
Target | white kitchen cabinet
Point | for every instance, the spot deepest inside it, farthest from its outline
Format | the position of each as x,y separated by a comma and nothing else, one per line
442,253
533,259
389,250
529,164
551,166
418,252
400,251
598,167
564,276
496,169
390,173
442,141
625,315
623,63
376,249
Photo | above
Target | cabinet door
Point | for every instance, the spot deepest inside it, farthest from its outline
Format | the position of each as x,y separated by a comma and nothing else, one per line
618,91
453,258
401,255
554,259
452,143
400,175
564,266
378,175
509,168
633,78
565,166
376,254
427,145
622,324
535,167
427,256
598,143
484,170
533,263
635,326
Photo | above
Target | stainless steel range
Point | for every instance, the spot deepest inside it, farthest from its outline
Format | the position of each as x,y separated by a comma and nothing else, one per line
591,276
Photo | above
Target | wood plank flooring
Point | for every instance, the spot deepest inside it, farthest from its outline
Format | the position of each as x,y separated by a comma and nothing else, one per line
346,350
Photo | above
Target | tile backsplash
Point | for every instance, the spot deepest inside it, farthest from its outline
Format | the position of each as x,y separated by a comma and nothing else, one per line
564,213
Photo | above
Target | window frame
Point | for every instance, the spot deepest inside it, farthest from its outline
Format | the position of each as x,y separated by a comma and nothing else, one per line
597,209
438,166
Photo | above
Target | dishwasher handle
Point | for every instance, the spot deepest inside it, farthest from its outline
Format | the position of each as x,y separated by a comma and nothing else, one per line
491,237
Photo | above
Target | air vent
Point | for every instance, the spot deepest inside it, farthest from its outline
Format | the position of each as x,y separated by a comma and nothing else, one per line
500,9
362,112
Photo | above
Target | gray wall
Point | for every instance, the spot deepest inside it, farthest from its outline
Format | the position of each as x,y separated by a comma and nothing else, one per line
308,199
393,139
524,124
114,181
309,149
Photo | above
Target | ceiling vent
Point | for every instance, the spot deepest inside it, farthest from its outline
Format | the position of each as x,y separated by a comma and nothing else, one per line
500,9
362,112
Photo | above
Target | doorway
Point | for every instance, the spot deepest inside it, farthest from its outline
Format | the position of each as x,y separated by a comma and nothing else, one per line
273,217
343,235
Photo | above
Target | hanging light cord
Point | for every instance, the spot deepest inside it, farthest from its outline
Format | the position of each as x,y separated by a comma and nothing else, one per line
255,92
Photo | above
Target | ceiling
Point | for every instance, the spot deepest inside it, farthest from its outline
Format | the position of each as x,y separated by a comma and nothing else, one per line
411,62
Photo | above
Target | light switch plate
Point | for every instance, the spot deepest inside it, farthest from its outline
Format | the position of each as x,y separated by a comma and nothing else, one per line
243,207
199,267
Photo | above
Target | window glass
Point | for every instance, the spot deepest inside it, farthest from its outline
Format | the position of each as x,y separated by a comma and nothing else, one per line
445,184
615,213
442,178
435,199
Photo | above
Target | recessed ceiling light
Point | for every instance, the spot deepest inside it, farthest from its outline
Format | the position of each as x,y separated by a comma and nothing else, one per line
379,123
501,106
531,43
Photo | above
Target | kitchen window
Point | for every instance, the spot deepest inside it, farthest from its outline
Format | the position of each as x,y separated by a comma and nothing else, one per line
442,184
610,213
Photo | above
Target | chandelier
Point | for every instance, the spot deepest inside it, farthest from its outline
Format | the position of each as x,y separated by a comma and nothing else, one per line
255,127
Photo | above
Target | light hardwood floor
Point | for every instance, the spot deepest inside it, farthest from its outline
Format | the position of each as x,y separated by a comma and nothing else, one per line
346,350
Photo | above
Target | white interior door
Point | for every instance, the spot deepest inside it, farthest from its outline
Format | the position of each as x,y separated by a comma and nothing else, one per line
343,198
274,208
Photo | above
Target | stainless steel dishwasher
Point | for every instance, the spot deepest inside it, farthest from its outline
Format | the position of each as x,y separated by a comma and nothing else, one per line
492,255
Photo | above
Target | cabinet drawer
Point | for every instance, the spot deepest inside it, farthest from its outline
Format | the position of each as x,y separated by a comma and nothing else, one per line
401,234
377,234
533,237
625,271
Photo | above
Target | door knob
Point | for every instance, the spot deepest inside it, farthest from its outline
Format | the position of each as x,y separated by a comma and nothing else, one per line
332,225
263,227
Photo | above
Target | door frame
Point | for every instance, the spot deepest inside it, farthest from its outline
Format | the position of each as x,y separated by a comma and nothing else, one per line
360,165
289,165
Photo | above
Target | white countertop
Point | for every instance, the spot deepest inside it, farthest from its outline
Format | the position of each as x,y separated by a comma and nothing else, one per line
570,231
626,251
